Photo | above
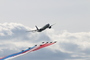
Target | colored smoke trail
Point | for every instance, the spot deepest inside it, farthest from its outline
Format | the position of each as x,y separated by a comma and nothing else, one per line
44,45
34,48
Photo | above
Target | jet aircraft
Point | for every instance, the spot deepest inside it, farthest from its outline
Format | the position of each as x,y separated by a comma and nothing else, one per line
41,29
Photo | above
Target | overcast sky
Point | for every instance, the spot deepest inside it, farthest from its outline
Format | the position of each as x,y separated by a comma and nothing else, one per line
71,30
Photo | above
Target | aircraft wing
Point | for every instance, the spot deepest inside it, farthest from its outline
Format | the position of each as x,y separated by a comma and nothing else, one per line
53,24
32,31
31,49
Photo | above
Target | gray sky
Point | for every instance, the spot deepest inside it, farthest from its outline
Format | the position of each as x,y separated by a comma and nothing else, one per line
72,29
68,15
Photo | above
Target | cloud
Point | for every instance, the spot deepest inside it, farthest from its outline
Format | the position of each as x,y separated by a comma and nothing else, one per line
69,46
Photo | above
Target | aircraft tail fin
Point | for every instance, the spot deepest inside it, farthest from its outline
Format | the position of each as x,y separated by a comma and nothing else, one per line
36,27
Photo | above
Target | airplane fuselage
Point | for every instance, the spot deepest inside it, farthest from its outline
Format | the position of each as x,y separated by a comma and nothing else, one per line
44,27
41,29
